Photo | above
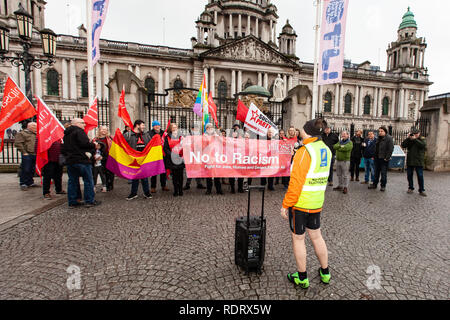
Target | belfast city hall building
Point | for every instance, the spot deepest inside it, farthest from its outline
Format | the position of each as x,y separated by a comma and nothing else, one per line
237,47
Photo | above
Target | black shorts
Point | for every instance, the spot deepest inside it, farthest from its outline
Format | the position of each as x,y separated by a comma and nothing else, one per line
299,220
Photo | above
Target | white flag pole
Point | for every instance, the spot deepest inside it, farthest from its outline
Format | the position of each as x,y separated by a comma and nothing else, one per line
89,52
316,52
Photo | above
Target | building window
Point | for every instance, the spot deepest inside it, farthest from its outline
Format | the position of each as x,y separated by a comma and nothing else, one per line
327,102
84,85
222,89
348,103
385,110
58,114
367,102
53,82
79,114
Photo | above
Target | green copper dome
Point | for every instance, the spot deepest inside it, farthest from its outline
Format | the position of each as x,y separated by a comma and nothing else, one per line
257,90
408,21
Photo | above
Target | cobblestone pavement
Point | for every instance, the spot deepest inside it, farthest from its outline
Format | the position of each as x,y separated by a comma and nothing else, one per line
183,248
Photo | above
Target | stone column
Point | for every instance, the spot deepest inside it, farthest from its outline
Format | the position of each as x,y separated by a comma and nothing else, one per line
137,71
98,80
213,83
15,74
341,99
401,103
260,79
285,85
22,80
290,82
199,36
257,28
233,83
188,78
394,98
380,102
274,31
239,25
105,80
215,17
336,99
37,82
167,83
361,100
160,80
65,79
248,26
73,80
375,102
266,81
405,104
239,85
130,68
356,103
270,30
230,27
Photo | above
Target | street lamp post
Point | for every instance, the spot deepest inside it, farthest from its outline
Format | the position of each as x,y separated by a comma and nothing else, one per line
25,58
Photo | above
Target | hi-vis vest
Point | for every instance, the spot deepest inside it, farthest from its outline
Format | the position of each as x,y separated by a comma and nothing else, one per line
313,192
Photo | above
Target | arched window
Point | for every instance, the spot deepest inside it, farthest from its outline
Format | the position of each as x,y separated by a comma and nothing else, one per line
327,102
385,110
367,102
150,86
53,82
348,103
84,84
222,89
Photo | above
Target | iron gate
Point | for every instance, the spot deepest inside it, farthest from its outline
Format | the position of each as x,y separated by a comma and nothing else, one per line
163,107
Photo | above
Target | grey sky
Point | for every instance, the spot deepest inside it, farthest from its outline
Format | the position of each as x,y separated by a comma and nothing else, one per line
371,26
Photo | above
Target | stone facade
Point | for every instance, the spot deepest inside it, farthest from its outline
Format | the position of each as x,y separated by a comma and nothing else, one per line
235,48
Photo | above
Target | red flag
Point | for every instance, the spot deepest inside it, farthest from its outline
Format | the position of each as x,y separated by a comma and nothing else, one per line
123,113
162,143
212,109
91,118
49,130
242,111
15,107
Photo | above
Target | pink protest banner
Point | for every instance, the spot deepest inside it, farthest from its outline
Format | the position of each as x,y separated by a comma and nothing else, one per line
99,9
216,156
332,41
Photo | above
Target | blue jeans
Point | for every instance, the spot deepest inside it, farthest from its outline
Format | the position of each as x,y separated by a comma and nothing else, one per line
135,186
75,171
369,169
330,177
410,173
27,169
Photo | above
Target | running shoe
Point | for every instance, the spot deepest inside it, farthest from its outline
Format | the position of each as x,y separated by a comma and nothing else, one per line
293,278
325,278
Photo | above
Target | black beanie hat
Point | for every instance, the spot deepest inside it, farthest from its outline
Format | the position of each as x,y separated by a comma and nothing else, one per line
314,127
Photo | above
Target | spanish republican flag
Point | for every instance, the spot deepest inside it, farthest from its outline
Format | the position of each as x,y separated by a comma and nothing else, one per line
127,163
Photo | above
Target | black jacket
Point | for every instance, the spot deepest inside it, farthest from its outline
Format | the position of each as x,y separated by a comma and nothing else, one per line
76,144
330,140
132,138
357,147
153,132
174,161
384,147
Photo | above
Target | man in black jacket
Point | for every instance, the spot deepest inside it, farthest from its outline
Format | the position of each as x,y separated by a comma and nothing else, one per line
383,153
416,145
156,129
138,140
356,155
78,151
330,139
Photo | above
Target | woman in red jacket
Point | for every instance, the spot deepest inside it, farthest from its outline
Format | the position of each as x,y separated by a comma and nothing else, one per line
173,158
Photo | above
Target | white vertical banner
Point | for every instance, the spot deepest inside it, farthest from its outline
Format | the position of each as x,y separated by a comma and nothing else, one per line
98,9
332,41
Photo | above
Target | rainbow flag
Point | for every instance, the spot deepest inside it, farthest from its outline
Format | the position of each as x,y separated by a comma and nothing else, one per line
127,163
201,103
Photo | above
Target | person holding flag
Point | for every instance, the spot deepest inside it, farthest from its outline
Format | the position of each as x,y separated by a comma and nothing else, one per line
173,158
156,129
26,144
